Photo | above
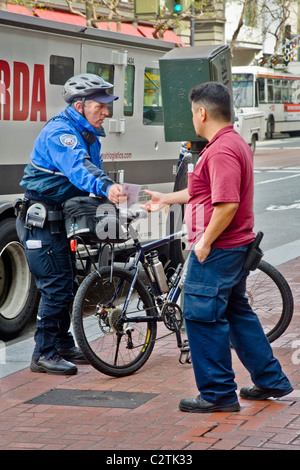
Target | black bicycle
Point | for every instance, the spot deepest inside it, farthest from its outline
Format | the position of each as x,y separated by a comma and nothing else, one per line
117,311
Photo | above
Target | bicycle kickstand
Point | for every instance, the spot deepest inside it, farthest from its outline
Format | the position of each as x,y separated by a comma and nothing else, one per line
185,357
185,353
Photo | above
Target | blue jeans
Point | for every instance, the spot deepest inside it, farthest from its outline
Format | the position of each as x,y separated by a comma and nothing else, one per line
53,267
217,315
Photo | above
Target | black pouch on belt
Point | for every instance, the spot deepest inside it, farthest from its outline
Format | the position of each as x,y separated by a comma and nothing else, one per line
254,254
55,218
20,208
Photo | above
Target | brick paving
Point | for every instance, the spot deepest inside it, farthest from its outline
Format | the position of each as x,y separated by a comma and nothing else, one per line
157,424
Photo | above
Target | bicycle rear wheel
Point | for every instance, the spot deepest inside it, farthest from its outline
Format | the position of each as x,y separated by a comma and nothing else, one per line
271,299
112,347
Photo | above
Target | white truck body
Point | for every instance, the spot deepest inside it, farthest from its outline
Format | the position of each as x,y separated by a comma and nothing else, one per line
250,126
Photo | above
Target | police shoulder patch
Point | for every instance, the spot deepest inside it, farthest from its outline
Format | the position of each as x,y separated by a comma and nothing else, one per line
68,140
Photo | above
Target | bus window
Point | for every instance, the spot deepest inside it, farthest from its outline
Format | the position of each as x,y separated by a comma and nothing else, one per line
285,91
152,111
290,91
129,90
242,87
295,90
61,69
277,91
270,90
261,90
104,71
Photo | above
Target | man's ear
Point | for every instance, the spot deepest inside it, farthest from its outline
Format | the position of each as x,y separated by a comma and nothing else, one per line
78,106
202,113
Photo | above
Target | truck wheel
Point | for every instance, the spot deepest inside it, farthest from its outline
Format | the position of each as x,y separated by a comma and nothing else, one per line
18,293
270,129
253,143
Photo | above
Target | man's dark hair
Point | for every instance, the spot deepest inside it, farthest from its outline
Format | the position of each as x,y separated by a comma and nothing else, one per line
215,98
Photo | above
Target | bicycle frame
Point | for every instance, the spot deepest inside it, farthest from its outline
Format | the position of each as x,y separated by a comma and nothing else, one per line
172,297
142,251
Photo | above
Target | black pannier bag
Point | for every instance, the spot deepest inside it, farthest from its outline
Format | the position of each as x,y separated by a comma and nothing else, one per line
93,219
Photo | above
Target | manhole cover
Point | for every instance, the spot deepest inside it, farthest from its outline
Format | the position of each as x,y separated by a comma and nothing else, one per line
107,399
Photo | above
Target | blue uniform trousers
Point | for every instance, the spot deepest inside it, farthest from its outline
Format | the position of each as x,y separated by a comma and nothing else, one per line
53,267
217,315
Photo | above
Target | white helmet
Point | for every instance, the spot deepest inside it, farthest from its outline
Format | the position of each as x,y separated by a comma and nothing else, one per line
87,85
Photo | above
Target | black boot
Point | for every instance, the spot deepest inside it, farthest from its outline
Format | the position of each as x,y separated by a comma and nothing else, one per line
73,355
55,365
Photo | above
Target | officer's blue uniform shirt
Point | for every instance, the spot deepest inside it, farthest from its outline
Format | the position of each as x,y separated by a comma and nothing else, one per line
63,164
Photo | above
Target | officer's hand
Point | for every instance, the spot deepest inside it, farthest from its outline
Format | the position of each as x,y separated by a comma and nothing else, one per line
115,194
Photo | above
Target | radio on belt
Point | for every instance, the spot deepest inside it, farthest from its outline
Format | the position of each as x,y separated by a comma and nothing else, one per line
36,216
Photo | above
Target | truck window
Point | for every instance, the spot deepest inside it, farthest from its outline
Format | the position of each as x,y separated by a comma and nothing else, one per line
105,71
242,88
129,90
61,69
152,112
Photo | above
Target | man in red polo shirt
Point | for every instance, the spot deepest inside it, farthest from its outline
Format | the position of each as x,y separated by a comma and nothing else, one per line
216,310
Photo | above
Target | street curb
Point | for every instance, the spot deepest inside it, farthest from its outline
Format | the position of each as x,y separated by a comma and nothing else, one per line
283,254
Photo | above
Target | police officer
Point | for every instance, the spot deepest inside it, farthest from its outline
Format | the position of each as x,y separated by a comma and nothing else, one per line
64,163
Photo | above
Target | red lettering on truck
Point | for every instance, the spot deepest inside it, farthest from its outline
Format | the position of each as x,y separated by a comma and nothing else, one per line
21,92
5,84
15,90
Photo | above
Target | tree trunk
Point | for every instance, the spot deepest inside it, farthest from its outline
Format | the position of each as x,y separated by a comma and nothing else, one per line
239,26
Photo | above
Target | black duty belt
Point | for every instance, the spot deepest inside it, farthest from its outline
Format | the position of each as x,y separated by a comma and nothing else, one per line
53,214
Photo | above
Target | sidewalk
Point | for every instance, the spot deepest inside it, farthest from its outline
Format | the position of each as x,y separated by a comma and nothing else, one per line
91,411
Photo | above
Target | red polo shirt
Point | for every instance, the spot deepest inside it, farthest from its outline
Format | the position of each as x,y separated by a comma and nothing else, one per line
223,173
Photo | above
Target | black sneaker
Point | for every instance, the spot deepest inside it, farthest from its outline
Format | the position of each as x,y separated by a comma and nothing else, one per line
257,393
199,405
55,365
73,355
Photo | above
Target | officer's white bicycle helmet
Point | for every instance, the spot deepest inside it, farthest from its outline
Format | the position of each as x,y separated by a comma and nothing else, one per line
83,86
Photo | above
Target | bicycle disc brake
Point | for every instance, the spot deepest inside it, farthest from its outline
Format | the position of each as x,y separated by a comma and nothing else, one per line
172,315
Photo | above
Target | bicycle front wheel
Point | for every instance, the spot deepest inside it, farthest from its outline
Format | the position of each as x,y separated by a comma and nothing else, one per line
271,299
111,346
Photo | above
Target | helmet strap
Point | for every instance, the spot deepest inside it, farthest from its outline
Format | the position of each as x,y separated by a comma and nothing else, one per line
83,105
